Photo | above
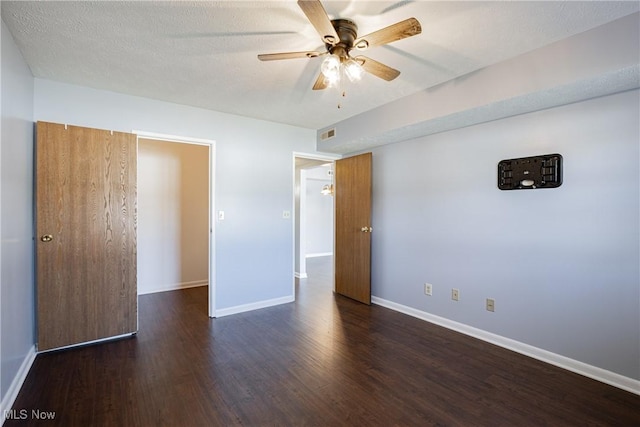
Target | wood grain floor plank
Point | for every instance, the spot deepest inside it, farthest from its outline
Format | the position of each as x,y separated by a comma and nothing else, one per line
324,360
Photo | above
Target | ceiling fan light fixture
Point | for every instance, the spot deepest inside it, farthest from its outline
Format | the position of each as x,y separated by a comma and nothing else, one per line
353,70
330,66
332,80
330,69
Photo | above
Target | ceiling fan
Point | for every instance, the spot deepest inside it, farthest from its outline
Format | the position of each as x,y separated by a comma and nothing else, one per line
340,37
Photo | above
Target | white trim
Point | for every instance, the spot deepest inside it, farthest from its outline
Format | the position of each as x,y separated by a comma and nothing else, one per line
212,230
11,394
319,254
329,157
254,306
212,202
300,276
175,287
593,372
172,138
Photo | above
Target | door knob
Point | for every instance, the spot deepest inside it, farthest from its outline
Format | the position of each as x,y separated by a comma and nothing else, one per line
366,229
46,238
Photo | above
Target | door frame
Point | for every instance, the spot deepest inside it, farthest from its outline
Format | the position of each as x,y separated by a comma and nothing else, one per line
327,157
212,189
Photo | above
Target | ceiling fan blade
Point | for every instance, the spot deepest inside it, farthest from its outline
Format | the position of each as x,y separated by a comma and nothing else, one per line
398,31
378,69
321,83
287,55
320,20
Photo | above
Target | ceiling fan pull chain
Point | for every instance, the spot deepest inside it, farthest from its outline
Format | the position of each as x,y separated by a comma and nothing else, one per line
343,94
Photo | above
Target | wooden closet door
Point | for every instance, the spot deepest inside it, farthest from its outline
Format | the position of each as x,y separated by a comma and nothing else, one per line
85,234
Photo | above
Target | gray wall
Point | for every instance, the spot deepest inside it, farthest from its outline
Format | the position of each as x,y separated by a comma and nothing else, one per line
562,264
16,155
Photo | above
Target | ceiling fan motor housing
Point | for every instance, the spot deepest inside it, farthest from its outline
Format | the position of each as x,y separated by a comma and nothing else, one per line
347,31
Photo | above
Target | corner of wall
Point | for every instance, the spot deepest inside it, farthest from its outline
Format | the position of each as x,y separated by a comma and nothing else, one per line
16,209
10,396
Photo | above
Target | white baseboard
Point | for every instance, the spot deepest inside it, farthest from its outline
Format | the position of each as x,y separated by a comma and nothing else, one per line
319,254
10,397
593,372
300,275
254,306
174,287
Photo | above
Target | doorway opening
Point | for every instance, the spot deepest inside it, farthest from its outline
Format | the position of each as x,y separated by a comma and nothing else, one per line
313,218
175,206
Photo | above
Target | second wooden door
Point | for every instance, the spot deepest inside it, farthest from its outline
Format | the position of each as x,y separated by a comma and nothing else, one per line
353,227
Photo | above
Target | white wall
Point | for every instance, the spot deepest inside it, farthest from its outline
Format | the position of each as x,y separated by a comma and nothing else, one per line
253,245
173,215
16,154
562,264
319,213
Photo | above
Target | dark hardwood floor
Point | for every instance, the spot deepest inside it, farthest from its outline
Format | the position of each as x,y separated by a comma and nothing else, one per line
321,361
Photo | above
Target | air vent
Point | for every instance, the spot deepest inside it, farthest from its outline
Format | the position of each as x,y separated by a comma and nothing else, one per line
328,134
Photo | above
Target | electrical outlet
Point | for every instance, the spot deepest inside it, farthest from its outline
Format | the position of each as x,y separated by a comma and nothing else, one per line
428,289
286,214
455,294
491,304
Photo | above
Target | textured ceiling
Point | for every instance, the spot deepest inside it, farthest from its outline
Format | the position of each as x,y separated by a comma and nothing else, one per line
203,54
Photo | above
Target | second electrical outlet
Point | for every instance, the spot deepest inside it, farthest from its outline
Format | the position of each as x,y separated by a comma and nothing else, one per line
455,294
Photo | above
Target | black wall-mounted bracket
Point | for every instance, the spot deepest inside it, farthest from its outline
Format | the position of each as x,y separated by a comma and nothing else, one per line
528,173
